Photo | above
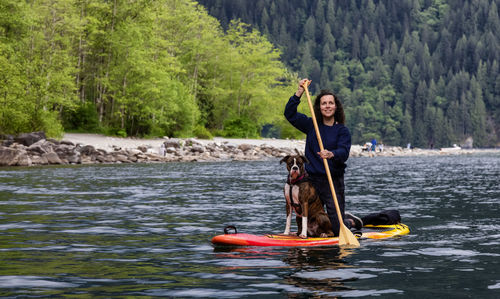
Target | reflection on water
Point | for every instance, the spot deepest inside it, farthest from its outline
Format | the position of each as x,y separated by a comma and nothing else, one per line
145,230
320,270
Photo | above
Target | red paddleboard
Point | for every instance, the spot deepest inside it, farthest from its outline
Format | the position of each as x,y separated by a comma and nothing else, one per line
239,239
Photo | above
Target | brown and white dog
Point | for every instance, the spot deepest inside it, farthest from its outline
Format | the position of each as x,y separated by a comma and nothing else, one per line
301,196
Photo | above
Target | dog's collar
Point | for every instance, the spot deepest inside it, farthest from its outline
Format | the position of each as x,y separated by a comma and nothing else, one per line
297,180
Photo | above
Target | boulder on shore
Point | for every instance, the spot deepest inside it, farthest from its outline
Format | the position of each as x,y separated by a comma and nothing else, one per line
28,139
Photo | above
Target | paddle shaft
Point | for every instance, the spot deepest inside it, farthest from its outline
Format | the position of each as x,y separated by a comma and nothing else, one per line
348,237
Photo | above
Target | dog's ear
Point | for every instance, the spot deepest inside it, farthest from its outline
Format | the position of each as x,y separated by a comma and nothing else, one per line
284,159
305,159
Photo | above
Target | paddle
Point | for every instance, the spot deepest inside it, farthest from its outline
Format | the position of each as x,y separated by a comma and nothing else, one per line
346,237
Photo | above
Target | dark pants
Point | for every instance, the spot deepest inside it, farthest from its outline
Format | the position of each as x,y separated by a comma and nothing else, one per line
322,187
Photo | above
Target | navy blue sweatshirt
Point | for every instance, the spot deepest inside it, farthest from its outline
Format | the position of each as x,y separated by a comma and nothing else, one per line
336,139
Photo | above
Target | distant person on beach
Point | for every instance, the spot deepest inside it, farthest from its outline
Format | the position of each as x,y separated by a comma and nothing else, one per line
162,150
337,145
374,144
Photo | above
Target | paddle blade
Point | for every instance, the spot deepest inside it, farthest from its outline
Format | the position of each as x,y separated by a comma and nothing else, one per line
347,238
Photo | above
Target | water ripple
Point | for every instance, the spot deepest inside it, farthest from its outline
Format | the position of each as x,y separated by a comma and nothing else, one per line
13,282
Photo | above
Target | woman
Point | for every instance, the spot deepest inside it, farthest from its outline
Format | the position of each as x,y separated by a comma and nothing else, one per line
337,144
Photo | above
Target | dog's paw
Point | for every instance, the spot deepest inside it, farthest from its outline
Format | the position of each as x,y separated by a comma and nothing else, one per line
303,236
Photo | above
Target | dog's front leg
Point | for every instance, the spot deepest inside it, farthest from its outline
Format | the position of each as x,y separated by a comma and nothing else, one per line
288,220
303,233
288,210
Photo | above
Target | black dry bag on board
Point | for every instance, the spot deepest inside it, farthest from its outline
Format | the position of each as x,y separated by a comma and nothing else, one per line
386,217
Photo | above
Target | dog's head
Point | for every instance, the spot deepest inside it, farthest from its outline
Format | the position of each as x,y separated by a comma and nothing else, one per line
295,165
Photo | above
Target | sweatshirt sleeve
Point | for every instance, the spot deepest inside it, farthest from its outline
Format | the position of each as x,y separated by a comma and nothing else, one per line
298,120
343,145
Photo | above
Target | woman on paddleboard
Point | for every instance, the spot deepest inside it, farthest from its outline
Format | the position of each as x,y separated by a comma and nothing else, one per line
337,145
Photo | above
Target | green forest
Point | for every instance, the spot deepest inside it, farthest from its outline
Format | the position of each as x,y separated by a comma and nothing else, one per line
135,68
424,72
419,71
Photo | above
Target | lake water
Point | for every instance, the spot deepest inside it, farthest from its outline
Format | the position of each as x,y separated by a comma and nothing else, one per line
144,230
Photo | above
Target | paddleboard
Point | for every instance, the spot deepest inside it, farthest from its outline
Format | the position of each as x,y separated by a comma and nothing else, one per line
369,232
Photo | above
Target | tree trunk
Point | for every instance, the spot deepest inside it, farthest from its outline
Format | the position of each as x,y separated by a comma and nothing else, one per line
81,61
102,89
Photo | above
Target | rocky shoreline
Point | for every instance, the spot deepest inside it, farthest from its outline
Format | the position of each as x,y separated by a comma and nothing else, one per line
32,149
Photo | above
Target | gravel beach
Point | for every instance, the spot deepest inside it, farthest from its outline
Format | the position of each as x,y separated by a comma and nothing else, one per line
109,143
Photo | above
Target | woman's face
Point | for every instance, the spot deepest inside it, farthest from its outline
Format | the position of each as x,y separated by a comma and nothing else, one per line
327,106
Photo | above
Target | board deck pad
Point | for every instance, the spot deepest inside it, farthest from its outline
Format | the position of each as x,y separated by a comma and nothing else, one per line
368,232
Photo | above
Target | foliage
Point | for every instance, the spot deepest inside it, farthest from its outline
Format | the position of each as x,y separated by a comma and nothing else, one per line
83,118
131,68
202,132
241,127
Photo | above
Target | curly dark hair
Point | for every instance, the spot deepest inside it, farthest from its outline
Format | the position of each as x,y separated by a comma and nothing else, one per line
339,112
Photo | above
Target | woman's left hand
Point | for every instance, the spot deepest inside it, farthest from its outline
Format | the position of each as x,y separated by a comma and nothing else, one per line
325,154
